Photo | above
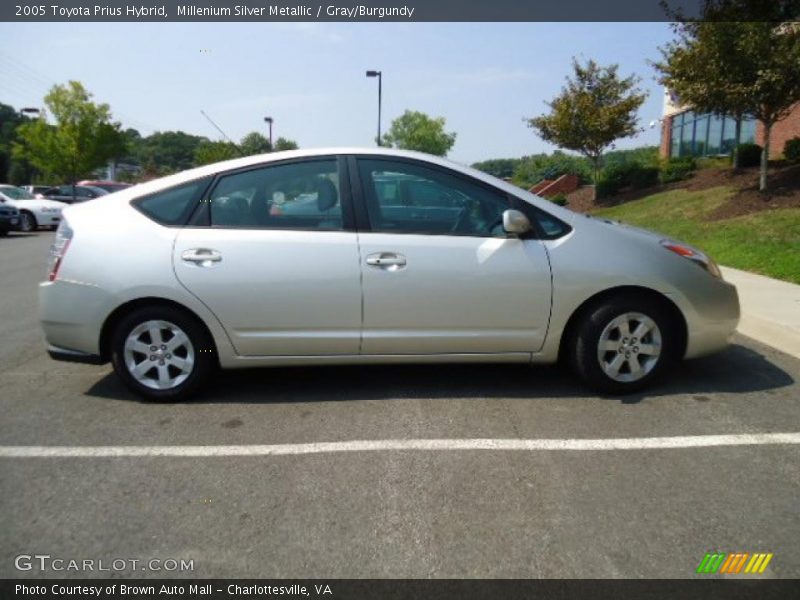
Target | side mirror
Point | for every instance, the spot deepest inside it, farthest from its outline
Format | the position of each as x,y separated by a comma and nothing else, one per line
515,222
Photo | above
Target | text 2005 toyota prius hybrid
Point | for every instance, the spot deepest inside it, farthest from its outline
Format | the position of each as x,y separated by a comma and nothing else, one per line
367,256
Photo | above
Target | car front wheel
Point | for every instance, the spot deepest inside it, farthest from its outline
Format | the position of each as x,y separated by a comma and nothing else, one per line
161,353
622,345
27,222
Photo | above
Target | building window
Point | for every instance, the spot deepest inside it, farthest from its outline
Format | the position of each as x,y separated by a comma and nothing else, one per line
708,135
714,145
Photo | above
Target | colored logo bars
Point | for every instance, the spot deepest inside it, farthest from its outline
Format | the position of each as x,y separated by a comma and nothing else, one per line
734,563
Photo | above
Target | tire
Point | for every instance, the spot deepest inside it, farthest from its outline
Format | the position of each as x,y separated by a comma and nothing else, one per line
181,363
3,232
613,369
27,222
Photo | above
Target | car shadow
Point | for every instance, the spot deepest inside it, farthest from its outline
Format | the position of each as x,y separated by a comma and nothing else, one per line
18,235
736,369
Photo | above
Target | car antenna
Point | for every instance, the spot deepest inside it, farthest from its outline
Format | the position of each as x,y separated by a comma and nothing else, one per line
218,128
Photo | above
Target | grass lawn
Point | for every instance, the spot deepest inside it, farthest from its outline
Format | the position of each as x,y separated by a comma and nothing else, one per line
766,242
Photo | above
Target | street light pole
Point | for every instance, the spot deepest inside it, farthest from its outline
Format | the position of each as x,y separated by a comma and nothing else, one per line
378,74
268,120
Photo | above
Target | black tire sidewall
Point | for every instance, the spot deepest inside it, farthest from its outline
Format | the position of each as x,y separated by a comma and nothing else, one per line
584,352
205,358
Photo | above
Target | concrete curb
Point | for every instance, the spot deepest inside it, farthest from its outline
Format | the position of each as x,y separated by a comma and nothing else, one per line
770,309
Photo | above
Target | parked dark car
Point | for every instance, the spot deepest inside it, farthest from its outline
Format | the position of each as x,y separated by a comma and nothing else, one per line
109,186
72,194
9,219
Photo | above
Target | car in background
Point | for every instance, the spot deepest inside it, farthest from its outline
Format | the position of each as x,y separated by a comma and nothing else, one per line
36,190
9,218
74,193
33,212
109,186
457,267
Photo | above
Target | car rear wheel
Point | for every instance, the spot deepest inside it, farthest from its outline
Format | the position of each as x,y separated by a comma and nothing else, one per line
161,353
27,222
622,345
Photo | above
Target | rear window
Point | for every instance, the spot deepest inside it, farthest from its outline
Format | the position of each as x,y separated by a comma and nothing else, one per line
171,206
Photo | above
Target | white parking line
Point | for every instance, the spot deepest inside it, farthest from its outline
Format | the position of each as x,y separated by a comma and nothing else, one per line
652,443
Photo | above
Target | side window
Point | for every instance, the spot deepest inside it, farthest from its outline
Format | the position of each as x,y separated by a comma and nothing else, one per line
409,198
172,206
302,195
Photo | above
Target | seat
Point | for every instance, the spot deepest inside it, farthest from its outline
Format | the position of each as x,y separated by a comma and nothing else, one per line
328,198
230,211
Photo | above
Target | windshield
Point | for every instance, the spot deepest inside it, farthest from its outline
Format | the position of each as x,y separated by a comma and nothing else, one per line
16,193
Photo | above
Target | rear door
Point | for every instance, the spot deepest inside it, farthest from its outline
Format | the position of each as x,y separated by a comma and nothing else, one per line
439,273
274,256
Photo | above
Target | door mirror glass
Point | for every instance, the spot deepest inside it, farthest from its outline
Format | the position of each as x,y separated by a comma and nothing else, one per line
515,222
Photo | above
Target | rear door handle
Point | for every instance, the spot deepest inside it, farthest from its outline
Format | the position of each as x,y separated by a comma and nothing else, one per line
387,260
202,257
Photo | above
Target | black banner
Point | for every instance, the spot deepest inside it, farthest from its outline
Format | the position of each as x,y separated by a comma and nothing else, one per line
405,589
349,10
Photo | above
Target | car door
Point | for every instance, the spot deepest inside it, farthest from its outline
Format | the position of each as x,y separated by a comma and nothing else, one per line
439,273
273,254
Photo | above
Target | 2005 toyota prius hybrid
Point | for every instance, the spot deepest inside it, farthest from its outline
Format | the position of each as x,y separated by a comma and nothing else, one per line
367,256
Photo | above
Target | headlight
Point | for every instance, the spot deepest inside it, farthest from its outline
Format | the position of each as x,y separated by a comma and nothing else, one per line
693,255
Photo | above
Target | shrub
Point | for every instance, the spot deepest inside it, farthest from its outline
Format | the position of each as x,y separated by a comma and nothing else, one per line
532,169
791,150
676,169
619,176
559,199
749,155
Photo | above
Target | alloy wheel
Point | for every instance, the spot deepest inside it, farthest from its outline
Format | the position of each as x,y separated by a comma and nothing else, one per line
629,347
26,222
159,354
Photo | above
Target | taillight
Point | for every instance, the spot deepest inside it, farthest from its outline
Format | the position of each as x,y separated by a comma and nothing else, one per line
693,255
59,249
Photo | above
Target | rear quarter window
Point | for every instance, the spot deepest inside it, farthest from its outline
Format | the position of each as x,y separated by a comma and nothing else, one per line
171,206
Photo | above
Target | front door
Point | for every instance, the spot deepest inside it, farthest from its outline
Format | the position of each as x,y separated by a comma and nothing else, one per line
440,275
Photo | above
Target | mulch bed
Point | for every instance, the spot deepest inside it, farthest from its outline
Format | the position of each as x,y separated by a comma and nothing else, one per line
784,192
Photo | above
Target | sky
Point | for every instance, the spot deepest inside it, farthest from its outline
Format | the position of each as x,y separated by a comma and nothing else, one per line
484,78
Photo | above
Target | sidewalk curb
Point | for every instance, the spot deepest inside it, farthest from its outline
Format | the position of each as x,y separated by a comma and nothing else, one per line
770,310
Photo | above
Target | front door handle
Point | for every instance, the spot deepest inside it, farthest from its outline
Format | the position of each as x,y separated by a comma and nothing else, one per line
387,260
202,257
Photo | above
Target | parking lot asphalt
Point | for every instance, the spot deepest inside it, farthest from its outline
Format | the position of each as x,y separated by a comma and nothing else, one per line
392,513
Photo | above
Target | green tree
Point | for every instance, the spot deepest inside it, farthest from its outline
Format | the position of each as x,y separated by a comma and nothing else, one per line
282,144
498,167
533,169
594,109
211,152
167,151
254,143
82,138
740,60
414,130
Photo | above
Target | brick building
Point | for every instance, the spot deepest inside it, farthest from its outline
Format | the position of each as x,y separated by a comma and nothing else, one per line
685,133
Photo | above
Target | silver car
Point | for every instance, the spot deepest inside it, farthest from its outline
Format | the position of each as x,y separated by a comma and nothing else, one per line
348,256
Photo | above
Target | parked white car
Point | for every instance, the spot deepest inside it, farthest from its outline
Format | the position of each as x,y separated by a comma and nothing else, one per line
33,212
350,256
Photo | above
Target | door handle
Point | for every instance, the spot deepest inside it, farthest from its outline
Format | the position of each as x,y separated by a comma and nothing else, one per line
202,257
387,260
